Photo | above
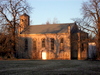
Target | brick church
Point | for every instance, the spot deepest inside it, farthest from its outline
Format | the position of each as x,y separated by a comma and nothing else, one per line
51,41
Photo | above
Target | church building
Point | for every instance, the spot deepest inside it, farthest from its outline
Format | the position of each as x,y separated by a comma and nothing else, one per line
51,41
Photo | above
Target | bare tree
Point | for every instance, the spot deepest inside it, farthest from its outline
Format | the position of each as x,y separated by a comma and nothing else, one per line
10,10
91,20
55,21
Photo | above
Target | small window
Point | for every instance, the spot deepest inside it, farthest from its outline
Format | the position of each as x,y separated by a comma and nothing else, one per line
52,43
34,44
22,20
43,43
26,45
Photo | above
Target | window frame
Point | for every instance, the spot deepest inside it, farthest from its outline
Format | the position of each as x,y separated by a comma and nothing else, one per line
52,41
43,43
61,43
34,45
26,44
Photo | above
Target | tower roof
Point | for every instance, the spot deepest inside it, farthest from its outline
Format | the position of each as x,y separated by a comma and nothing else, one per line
24,14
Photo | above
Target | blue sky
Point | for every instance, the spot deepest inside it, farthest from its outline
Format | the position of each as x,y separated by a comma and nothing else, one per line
48,10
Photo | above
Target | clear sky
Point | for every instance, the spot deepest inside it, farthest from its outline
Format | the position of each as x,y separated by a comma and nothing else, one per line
47,10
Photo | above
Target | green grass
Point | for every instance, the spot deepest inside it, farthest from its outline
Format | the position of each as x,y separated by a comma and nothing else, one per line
49,67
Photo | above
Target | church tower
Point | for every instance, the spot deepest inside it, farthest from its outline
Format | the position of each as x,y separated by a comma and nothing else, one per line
24,22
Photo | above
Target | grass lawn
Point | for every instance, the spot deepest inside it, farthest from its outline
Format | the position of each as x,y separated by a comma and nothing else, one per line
49,67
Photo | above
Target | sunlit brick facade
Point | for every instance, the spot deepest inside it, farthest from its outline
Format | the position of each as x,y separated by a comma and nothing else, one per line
55,41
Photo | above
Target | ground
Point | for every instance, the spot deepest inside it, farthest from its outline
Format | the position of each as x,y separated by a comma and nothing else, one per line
49,67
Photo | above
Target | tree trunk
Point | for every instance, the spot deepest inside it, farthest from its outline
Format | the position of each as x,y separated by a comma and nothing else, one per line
98,40
98,45
14,38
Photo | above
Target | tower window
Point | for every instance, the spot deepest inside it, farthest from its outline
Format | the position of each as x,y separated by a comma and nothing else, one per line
22,20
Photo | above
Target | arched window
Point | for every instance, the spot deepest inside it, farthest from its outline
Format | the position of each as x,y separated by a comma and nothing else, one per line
61,44
43,43
52,43
34,44
26,45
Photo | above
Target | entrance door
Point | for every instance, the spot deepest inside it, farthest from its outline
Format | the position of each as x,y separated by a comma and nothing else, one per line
74,54
74,51
44,55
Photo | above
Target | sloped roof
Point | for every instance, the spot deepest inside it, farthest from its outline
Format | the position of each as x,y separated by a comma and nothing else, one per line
49,28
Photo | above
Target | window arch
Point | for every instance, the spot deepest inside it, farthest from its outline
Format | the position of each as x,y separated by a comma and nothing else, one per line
26,44
34,44
43,42
52,43
61,44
